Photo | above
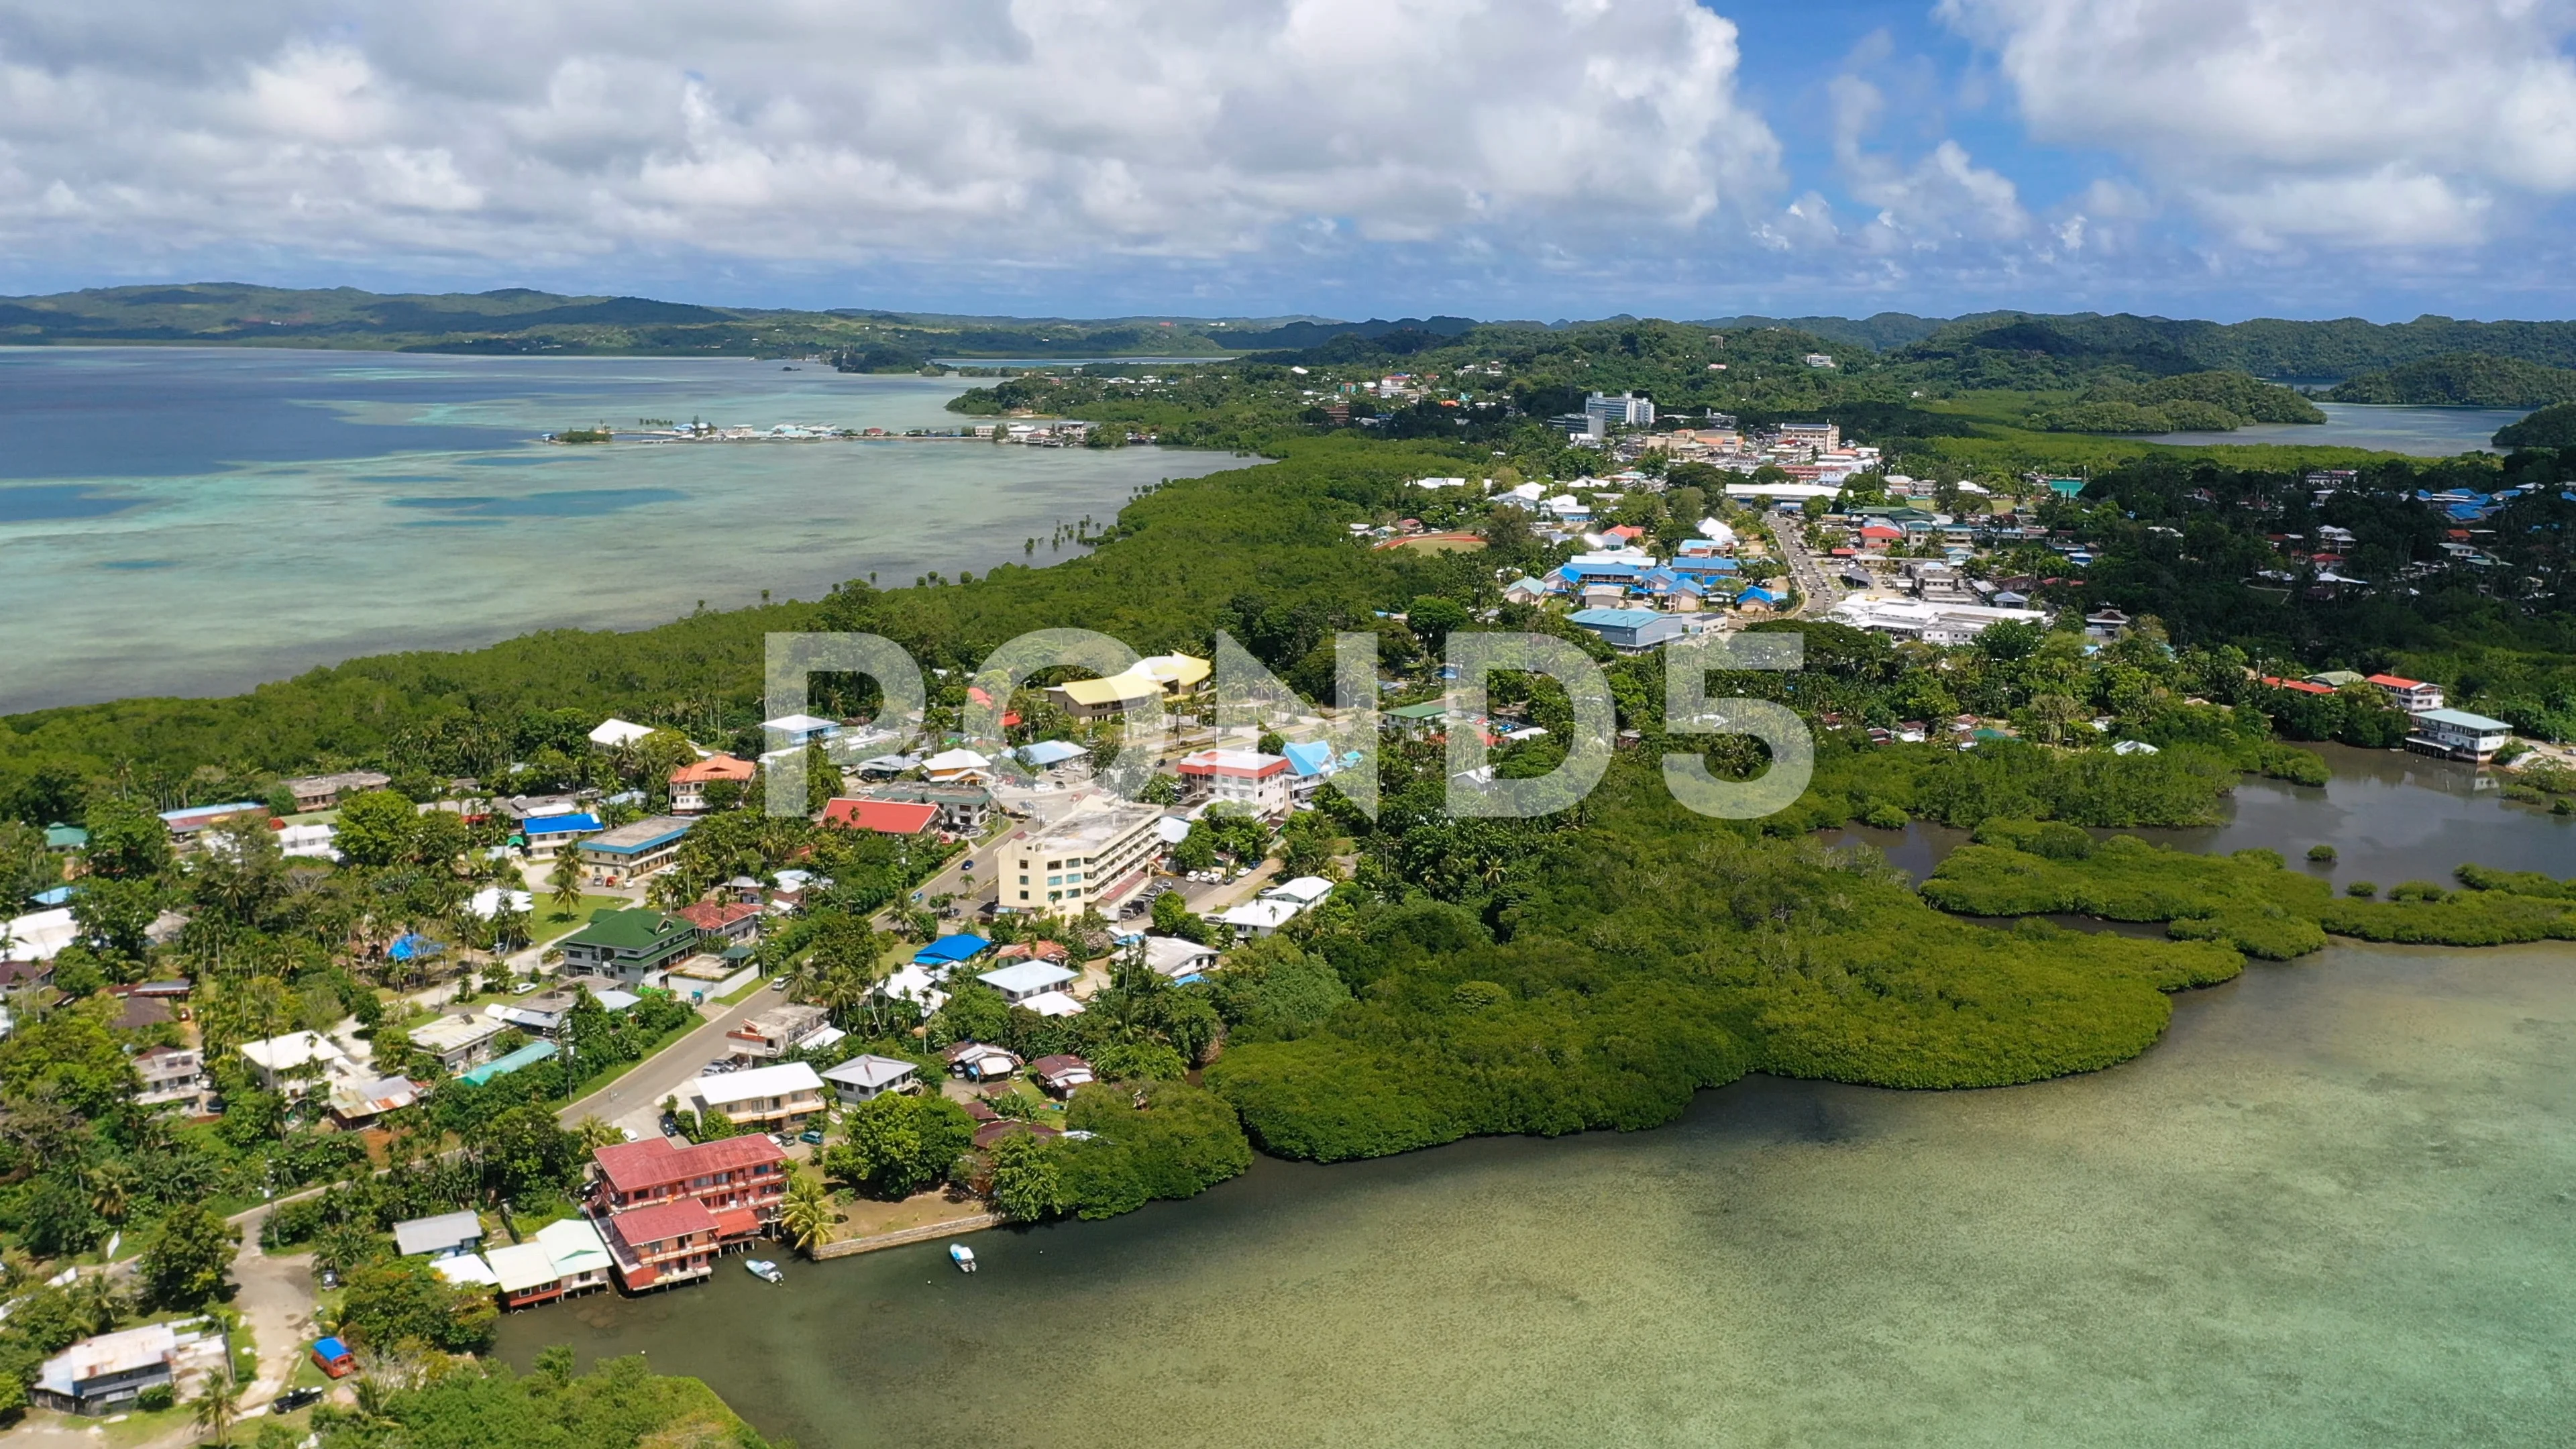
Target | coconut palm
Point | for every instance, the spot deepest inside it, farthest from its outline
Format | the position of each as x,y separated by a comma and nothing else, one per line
217,1406
807,1213
593,1132
565,883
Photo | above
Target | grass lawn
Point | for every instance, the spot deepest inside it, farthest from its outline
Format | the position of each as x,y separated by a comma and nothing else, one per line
550,921
866,1218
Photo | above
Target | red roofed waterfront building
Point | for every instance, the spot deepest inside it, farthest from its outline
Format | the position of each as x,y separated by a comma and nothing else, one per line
663,1245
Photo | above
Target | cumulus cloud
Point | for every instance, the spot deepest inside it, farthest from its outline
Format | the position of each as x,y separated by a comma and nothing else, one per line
1024,133
2378,122
1944,196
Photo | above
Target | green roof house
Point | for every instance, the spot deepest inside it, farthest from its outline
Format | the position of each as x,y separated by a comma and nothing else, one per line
629,945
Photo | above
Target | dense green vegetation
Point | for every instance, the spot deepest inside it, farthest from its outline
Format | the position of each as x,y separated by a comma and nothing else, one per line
619,1404
2550,427
2463,379
2187,402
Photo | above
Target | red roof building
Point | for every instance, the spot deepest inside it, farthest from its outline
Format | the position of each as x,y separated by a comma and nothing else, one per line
689,782
726,922
655,1247
2301,686
885,817
746,1173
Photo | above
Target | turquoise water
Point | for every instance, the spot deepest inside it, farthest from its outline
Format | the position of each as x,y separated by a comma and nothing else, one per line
193,521
2335,1206
2424,432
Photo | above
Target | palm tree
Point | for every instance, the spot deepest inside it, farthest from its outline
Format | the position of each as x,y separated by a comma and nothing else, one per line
566,883
594,1132
218,1405
807,1213
110,1185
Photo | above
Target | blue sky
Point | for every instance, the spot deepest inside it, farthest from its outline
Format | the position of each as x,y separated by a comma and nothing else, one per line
1494,158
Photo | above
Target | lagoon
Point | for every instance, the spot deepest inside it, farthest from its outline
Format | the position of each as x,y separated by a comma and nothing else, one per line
2335,1206
196,520
2424,432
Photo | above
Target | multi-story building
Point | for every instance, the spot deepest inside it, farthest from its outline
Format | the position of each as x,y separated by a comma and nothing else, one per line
172,1075
1255,781
1090,858
772,1099
2457,734
748,1172
321,792
662,1246
631,853
1627,410
629,945
2414,696
689,782
768,1035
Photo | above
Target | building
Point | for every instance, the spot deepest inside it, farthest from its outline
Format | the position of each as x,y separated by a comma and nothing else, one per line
689,782
322,792
295,1064
2414,696
1090,858
567,1257
1061,1076
459,1042
1820,437
1178,959
1023,979
722,923
106,1374
1942,624
1158,678
662,1246
358,1101
441,1236
773,1099
1249,778
867,1076
612,733
981,1062
1601,413
1305,892
1060,760
2457,734
632,946
172,1076
526,1056
547,836
631,853
771,1034
884,817
729,1173
1630,630
964,806
1255,919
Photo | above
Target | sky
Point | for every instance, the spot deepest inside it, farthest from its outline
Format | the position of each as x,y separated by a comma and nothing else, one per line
1344,158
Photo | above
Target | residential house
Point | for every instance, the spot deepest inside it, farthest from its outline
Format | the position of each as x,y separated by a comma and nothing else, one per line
631,853
867,1076
356,1102
981,1062
950,951
722,923
2414,696
1248,778
1023,979
964,806
1310,764
2457,734
883,817
612,733
550,835
1255,919
566,1257
323,792
632,945
1524,590
106,1374
1631,631
187,827
773,1033
773,1099
1305,892
459,1042
1155,679
172,1076
689,782
1178,959
958,766
295,1064
1090,858
661,1246
1060,1076
440,1236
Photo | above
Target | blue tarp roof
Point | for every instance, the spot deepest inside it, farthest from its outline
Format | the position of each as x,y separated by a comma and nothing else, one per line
330,1348
964,946
1308,757
412,946
526,1056
557,824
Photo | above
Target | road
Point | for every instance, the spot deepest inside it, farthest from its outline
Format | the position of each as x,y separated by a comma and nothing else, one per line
634,1101
1816,590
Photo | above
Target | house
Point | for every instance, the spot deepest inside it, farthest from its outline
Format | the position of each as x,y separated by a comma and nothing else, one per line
980,1062
2414,696
172,1075
661,1246
957,766
323,792
631,853
106,1374
2457,734
2106,624
295,1063
867,1076
358,1102
746,1173
1524,591
964,806
1092,857
1178,959
1060,1076
546,836
1305,892
773,1099
1310,764
1102,698
1052,1003
632,945
439,1236
459,1042
612,733
722,923
567,1257
689,782
188,826
2297,686
768,1035
39,935
1021,980
1248,778
950,951
884,817
1630,630
796,731
1255,919
1059,760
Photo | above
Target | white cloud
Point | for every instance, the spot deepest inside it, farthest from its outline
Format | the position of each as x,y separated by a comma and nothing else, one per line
1024,132
2379,122
1942,197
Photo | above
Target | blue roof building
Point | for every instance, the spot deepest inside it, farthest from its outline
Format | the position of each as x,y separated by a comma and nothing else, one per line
949,950
526,1056
1308,758
1046,753
1629,629
412,946
559,825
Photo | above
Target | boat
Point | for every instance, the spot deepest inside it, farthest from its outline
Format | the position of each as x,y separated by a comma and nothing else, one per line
764,1269
963,1256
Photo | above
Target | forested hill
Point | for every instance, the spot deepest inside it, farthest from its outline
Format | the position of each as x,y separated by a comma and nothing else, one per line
2463,379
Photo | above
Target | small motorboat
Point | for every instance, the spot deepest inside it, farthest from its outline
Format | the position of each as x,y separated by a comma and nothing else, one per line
764,1270
963,1256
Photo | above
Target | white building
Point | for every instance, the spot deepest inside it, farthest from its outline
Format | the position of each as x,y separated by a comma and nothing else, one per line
1249,778
774,1099
296,1063
1932,622
865,1076
1023,979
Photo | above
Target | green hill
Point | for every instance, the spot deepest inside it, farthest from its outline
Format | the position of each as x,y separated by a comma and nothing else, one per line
2551,427
2463,379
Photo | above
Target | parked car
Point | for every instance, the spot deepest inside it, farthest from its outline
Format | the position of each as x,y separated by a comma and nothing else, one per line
811,1136
294,1399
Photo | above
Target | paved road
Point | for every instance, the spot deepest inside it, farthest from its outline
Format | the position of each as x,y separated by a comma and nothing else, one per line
1816,591
634,1101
